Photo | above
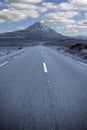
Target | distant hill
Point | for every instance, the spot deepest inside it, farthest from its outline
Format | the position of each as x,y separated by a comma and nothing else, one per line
80,37
31,35
39,33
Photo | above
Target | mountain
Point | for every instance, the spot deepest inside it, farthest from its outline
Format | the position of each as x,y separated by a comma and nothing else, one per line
37,30
34,33
41,30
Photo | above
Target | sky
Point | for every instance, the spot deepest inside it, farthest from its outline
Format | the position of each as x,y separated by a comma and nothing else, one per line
68,17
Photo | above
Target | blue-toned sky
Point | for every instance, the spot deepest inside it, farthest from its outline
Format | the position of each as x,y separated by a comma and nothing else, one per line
68,17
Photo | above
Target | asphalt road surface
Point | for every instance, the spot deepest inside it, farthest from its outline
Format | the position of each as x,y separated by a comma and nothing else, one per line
42,89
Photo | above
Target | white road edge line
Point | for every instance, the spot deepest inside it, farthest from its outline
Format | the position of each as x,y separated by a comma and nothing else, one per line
83,63
45,67
3,63
15,57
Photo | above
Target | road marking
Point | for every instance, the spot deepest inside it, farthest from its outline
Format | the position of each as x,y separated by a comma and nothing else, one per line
83,63
3,63
15,57
69,57
48,81
45,67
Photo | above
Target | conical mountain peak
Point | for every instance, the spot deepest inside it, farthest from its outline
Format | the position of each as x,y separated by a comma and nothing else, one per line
38,27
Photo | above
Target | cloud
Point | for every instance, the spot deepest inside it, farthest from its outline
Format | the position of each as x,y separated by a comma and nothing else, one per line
23,1
19,10
12,15
67,14
49,5
61,17
21,28
66,6
71,31
22,6
73,5
28,7
77,28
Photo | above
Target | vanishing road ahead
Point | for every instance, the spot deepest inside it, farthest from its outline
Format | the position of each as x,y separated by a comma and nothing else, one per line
42,89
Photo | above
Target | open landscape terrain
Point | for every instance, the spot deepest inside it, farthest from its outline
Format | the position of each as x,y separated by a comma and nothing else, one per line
41,34
43,80
43,64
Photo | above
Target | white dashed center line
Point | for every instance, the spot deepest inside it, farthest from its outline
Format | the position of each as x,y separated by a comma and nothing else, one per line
3,63
83,63
48,81
45,67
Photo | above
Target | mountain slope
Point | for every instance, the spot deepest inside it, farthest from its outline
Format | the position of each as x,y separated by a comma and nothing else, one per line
41,30
37,31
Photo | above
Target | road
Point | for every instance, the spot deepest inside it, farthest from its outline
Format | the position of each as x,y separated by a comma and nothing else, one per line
42,89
